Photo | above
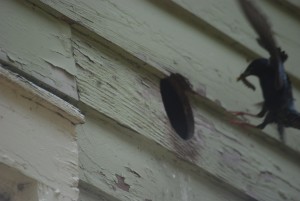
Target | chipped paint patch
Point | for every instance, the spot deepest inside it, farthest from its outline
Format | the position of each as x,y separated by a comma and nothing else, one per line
133,172
121,184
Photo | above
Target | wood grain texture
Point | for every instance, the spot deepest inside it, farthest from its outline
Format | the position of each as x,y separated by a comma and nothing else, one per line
39,143
227,17
88,192
185,38
42,97
171,39
209,46
130,95
149,171
37,45
88,54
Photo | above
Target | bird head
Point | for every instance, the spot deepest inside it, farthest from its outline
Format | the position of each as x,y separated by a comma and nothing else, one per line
257,68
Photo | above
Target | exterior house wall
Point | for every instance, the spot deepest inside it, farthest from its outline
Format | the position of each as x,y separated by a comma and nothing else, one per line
38,149
107,58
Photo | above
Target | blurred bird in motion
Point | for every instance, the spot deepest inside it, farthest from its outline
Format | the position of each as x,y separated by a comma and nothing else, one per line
278,106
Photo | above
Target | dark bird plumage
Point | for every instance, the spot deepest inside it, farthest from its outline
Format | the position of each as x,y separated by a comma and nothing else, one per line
278,106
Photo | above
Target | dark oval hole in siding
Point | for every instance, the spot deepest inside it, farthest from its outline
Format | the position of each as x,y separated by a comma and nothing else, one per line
177,105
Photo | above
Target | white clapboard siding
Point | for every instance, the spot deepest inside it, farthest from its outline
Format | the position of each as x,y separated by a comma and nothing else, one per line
38,45
169,38
119,52
130,95
38,141
150,172
226,16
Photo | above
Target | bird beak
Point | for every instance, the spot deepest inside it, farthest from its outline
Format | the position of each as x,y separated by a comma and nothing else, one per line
242,76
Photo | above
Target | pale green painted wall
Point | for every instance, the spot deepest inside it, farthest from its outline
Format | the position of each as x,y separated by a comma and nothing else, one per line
118,51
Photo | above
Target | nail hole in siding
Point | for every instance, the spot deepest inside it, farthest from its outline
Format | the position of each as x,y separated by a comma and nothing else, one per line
173,91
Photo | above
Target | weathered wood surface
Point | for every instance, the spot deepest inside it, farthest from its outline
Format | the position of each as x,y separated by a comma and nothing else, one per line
38,45
227,17
209,45
130,95
37,140
132,167
89,192
42,97
169,38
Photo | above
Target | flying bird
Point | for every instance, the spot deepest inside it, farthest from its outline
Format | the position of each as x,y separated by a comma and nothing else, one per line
278,106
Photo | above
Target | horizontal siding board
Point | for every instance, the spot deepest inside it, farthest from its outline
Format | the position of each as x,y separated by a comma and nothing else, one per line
171,40
228,19
146,36
241,98
130,95
207,61
42,97
88,192
208,52
38,45
150,171
39,142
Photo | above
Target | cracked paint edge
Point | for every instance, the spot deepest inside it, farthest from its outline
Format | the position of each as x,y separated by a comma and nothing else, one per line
43,97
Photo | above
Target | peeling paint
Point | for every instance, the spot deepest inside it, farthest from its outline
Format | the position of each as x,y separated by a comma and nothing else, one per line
231,157
121,184
33,43
133,172
266,176
237,167
122,98
39,142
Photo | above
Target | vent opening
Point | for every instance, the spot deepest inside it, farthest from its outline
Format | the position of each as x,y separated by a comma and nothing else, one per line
173,91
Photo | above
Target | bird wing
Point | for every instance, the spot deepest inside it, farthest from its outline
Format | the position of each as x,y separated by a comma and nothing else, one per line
260,24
